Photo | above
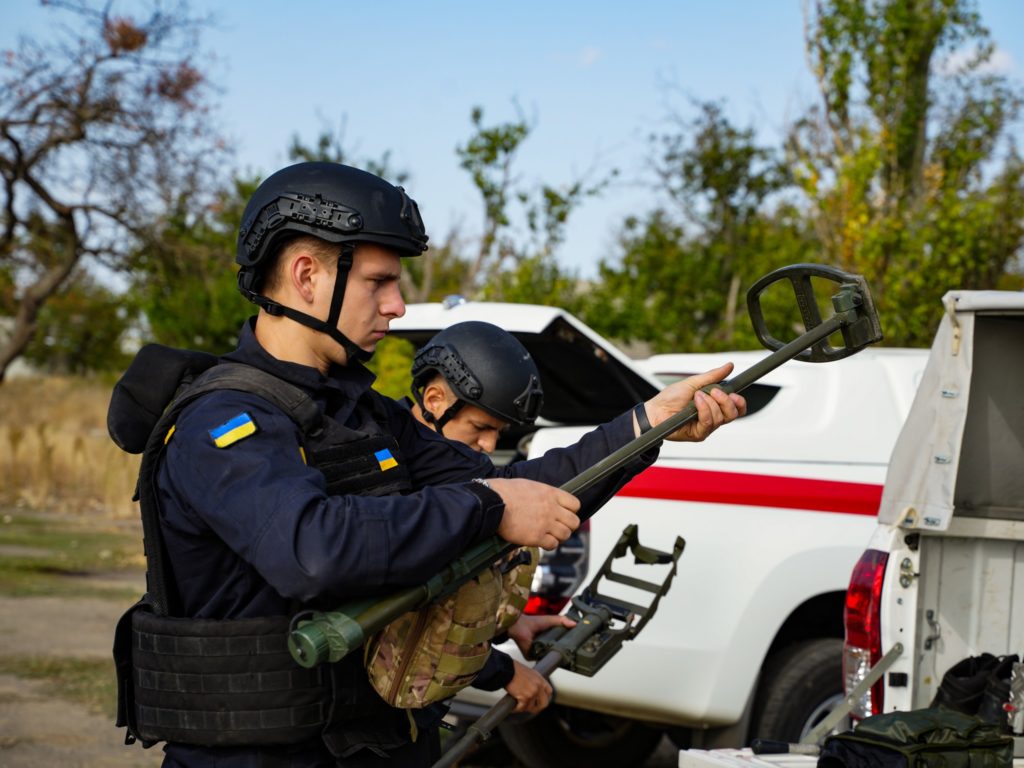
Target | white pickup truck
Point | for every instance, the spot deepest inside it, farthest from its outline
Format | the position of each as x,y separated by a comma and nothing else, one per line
775,509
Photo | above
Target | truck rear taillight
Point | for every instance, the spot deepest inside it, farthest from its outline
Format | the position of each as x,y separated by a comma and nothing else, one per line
863,646
544,606
560,573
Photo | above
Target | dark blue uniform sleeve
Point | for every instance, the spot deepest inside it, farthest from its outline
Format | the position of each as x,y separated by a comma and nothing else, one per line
439,460
559,465
497,672
259,497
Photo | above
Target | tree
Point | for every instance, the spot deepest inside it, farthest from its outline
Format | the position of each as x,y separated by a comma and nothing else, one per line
99,129
182,276
82,330
905,162
677,282
721,179
523,227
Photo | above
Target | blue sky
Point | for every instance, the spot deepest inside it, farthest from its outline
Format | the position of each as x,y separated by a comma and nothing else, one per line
595,77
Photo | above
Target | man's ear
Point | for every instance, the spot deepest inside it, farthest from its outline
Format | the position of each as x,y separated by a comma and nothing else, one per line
303,272
435,398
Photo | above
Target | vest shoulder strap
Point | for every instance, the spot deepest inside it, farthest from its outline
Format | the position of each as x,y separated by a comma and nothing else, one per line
299,406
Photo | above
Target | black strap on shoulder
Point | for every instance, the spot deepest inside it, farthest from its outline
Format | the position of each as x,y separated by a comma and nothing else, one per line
244,378
293,401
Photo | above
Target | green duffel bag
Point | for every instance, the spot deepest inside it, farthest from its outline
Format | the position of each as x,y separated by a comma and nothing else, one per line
923,738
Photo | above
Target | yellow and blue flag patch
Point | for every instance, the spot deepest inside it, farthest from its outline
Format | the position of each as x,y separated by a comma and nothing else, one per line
385,459
230,432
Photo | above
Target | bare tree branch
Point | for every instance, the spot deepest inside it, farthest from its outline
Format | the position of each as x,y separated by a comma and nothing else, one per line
100,127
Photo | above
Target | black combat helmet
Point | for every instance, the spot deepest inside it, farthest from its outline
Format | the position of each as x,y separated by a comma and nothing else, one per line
336,203
485,366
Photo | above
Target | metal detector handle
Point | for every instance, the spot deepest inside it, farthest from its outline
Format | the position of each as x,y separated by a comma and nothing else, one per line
822,729
854,309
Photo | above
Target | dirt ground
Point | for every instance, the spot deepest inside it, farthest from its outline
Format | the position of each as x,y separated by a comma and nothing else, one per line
39,729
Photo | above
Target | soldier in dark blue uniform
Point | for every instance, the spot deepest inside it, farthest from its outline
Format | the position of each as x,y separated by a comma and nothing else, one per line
259,520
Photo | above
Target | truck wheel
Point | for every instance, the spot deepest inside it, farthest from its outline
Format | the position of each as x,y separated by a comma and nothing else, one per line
799,686
561,736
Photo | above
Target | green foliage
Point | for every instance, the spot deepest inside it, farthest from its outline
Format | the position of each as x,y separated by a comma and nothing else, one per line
523,227
80,330
903,164
536,279
666,289
184,279
392,362
488,157
904,173
716,172
677,284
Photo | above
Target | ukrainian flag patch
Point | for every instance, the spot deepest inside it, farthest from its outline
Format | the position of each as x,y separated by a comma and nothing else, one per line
385,459
230,432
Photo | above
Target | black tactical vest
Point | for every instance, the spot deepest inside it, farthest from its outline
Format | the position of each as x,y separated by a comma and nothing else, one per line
233,682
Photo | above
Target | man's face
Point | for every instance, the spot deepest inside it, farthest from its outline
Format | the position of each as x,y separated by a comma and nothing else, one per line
475,427
372,296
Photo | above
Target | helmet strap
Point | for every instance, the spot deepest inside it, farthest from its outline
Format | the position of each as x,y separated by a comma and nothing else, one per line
330,326
448,414
437,422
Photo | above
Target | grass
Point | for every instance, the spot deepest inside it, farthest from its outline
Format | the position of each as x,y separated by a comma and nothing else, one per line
55,454
68,527
68,557
90,682
56,555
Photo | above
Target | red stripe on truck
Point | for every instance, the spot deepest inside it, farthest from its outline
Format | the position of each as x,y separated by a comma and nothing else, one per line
755,490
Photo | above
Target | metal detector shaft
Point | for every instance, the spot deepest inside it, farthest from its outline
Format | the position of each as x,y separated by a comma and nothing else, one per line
552,660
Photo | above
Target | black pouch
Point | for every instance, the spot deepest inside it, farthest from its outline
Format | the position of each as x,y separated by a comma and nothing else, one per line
145,390
923,738
226,682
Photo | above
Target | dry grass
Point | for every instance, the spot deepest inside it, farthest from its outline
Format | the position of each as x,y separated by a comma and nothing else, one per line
55,454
